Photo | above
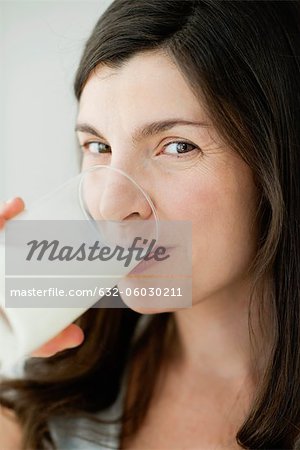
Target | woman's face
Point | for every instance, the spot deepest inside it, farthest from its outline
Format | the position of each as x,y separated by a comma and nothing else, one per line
188,172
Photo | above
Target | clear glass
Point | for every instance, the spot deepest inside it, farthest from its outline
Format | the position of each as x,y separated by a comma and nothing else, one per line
109,201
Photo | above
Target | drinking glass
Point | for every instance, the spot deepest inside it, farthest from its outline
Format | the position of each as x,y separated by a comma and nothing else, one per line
97,208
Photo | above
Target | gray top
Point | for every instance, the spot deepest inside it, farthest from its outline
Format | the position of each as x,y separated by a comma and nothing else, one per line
76,434
82,434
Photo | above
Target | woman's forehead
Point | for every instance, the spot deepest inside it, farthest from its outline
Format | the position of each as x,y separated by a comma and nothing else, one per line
147,83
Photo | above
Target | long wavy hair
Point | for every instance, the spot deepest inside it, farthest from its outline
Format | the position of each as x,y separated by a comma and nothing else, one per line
242,58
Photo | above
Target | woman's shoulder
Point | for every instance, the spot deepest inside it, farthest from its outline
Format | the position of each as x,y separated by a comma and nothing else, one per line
81,433
10,430
74,434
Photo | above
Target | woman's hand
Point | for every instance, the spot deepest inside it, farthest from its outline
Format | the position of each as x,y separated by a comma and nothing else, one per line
70,337
10,209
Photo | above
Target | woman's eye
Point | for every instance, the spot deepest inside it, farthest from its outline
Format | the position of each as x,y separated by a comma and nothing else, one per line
176,148
96,147
179,147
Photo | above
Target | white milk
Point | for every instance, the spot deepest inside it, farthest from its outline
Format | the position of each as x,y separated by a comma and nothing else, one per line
22,330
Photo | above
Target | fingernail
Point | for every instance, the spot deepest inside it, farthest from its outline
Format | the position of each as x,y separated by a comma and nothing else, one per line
74,345
10,200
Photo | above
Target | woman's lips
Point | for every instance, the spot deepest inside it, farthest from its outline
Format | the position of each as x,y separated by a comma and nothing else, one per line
145,264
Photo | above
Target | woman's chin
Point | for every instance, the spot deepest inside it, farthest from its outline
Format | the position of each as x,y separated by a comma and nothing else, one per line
144,296
130,290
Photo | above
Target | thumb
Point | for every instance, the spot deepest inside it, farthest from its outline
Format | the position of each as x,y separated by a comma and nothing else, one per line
70,337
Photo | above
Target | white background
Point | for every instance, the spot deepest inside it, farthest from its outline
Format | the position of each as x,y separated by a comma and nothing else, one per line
40,47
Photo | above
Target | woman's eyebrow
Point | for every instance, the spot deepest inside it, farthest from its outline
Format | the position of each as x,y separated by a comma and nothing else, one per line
146,130
85,128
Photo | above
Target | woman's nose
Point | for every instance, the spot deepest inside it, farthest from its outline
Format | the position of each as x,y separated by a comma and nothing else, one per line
121,200
123,209
113,195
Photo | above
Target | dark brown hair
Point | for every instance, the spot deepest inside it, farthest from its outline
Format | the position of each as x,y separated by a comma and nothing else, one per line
245,56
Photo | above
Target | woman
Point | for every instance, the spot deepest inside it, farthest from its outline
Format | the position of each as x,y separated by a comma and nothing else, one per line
224,373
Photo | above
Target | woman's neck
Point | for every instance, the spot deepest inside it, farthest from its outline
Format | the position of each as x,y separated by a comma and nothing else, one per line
214,336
